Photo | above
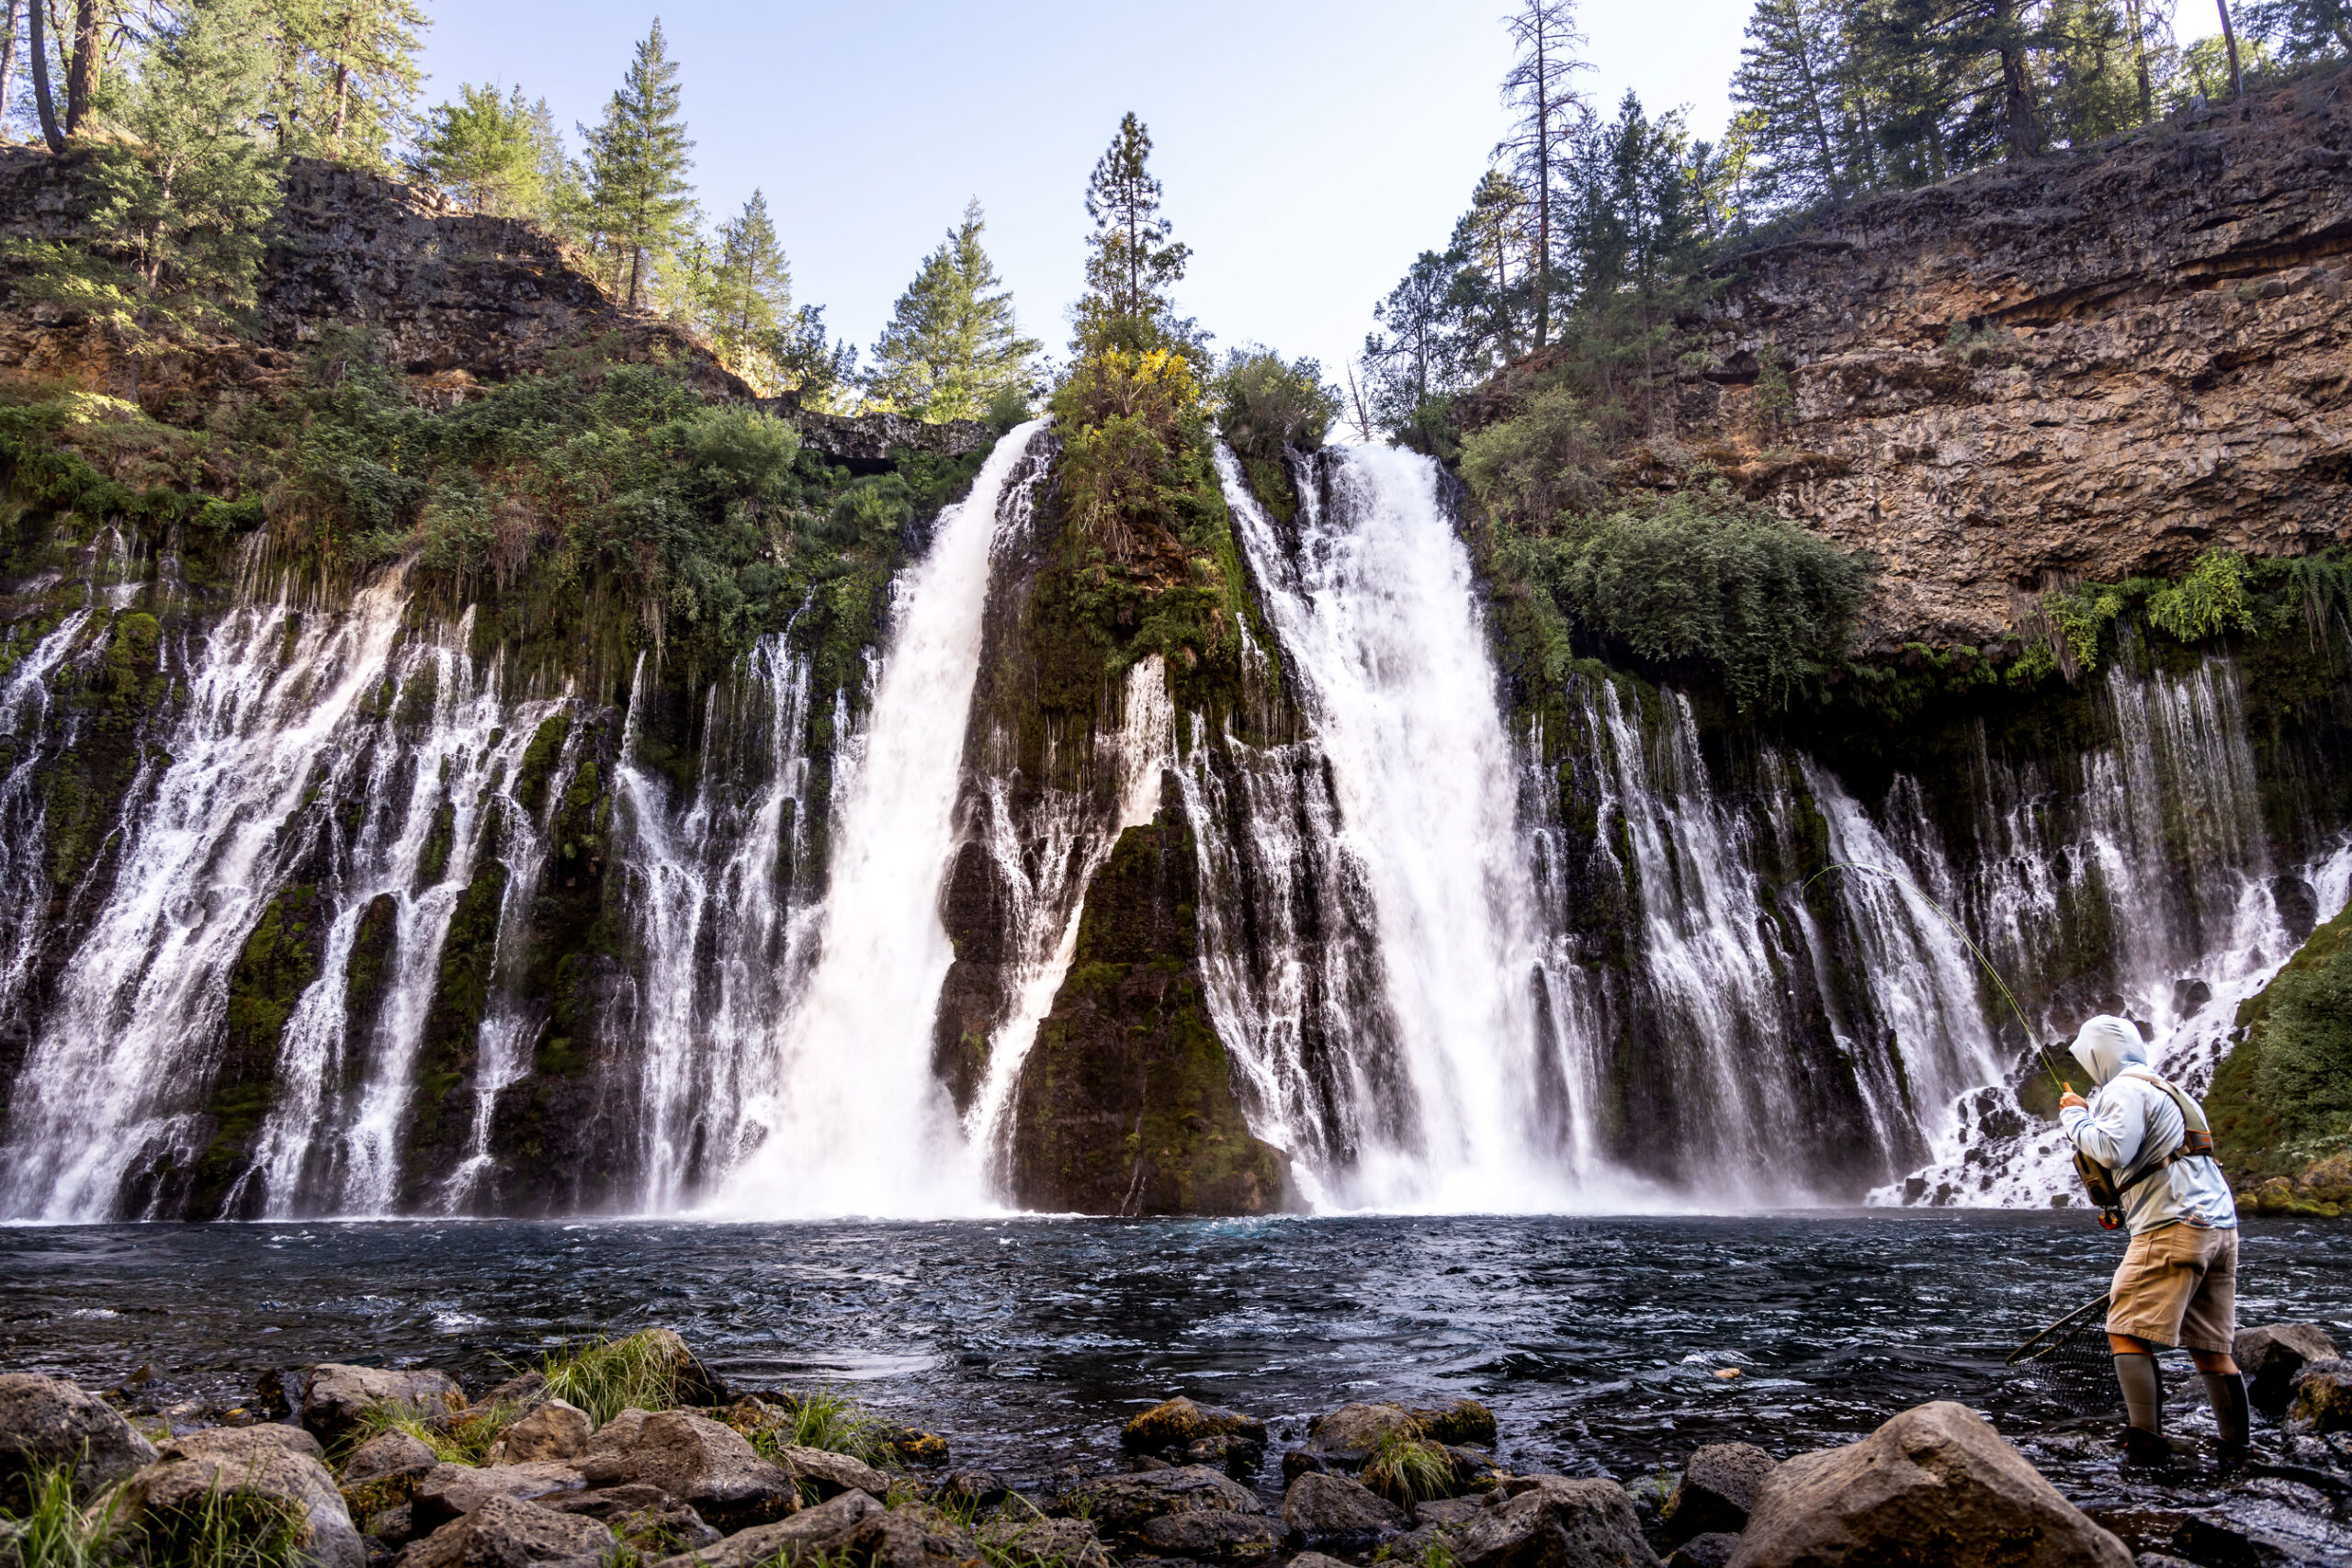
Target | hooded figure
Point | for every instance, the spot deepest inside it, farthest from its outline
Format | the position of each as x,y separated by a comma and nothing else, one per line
2177,1284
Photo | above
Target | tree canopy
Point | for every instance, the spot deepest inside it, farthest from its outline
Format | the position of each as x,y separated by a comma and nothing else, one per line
952,347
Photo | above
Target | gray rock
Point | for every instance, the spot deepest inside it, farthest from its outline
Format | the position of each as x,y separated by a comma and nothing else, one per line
1178,1423
1552,1521
248,1461
1345,1438
340,1397
1711,1551
644,1518
1327,1510
293,1440
1122,1504
976,1487
832,1475
1463,1421
392,1527
1717,1488
1207,1535
48,1422
2271,1355
1237,1457
553,1429
822,1530
693,1458
506,1532
1315,1560
2160,1560
389,1456
1449,1510
2319,1399
1935,1486
448,1491
521,1392
1070,1541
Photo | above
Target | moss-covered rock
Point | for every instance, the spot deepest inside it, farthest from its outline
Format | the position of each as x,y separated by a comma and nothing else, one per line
280,959
1125,1104
2282,1100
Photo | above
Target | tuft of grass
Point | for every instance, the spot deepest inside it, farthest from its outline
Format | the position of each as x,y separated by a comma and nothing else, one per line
464,1439
227,1529
53,1530
1406,1468
609,1376
829,1419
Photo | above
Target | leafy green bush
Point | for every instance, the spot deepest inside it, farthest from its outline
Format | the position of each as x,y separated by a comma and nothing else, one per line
1266,404
2208,602
1709,580
1535,467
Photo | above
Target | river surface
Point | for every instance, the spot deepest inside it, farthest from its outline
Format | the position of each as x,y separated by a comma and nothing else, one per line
1027,1341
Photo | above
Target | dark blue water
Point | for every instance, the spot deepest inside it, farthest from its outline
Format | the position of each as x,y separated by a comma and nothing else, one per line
1026,1342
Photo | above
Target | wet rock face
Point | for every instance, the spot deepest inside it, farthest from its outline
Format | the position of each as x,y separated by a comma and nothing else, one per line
1717,1489
2087,367
1126,1103
1935,1485
2271,1355
2320,1398
48,1422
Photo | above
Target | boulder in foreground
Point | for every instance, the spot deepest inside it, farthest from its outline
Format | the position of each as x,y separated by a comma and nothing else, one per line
46,1423
340,1397
1936,1487
1716,1490
1552,1521
2271,1355
507,1532
260,1477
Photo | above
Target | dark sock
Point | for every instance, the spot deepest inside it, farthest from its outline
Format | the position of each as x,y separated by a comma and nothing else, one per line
2227,1391
2143,1397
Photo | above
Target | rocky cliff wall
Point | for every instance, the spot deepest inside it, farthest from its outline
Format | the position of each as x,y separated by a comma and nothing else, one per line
2082,367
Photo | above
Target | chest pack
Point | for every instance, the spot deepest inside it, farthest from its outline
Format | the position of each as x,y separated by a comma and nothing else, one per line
2107,1188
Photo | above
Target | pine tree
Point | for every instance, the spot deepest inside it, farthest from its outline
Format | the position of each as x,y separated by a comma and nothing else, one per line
484,151
639,198
951,344
1790,78
1492,295
750,293
2302,29
179,204
1131,260
347,76
1545,35
1413,359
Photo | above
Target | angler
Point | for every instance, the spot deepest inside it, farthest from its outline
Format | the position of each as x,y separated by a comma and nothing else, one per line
2177,1284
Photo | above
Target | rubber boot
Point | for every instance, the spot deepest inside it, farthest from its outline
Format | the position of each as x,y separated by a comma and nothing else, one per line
2233,1416
2143,1401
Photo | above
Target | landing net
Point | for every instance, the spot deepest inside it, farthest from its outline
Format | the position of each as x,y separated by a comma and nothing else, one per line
2069,1362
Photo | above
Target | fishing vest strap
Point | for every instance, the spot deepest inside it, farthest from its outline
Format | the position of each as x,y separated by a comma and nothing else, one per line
2196,1133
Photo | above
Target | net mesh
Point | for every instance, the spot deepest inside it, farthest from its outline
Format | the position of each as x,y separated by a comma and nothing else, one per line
2069,1363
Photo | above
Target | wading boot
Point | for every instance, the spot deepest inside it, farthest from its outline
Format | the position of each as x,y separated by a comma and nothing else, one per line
2144,1449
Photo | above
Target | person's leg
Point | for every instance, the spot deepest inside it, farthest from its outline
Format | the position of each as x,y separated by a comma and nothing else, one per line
2143,1311
2208,1329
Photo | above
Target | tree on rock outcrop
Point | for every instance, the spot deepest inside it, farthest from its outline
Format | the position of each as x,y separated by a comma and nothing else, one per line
493,154
640,202
1537,87
346,75
952,347
750,291
1132,261
177,208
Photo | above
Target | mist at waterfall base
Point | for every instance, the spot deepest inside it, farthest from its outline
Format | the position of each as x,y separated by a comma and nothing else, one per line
1026,1342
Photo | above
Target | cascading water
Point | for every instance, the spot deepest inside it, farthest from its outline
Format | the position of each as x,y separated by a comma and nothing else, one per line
102,1092
846,1114
1371,600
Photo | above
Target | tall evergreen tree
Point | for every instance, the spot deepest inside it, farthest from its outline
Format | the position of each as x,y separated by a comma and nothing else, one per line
1131,260
751,290
2302,29
348,74
638,197
1412,359
483,150
179,203
1792,77
1492,295
951,343
1537,88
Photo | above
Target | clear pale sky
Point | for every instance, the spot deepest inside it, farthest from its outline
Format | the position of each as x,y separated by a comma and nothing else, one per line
1310,148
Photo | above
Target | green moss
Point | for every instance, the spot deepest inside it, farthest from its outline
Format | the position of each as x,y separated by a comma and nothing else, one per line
2282,1100
371,961
278,962
461,990
538,761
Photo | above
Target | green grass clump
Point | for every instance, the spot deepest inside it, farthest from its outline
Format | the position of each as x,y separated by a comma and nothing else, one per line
1406,1468
227,1529
612,1375
53,1531
463,1438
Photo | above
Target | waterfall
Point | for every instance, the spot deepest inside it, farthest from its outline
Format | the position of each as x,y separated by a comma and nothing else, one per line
1371,600
24,840
103,1090
847,1116
713,906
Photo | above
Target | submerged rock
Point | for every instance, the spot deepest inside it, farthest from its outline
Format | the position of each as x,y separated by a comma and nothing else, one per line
506,1532
340,1397
1178,1423
1716,1490
1935,1487
48,1422
251,1465
2271,1355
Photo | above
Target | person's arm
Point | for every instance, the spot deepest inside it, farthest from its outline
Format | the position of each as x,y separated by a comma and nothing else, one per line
2113,1133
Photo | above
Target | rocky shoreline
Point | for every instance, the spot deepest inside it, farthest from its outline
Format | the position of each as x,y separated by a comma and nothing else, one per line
631,1452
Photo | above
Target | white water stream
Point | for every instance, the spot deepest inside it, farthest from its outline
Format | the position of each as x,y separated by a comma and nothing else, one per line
846,1115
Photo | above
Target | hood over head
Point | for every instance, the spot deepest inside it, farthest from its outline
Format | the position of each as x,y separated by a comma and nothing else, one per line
2106,1046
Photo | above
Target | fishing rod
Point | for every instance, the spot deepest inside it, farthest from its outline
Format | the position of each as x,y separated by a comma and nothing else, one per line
1945,915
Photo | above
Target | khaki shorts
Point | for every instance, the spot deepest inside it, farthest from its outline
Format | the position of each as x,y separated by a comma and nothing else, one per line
2179,1285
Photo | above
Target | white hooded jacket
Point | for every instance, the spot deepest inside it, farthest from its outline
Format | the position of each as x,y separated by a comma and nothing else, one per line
2130,1120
